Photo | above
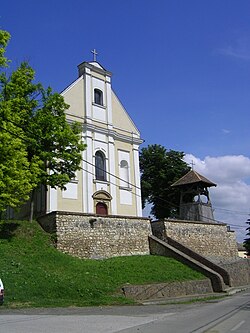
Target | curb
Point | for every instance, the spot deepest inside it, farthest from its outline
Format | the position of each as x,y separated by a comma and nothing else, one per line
235,290
182,299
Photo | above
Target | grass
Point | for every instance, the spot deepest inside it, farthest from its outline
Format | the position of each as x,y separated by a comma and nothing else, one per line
35,274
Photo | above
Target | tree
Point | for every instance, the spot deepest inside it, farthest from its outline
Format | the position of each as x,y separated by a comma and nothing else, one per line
46,149
247,240
17,175
160,168
58,143
4,40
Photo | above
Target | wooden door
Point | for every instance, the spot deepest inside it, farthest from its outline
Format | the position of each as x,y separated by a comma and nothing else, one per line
101,209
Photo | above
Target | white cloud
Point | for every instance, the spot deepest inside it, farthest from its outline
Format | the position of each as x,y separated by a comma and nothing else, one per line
231,197
239,48
235,53
223,169
225,131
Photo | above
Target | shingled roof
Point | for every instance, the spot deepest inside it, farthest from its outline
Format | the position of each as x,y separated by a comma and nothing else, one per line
193,177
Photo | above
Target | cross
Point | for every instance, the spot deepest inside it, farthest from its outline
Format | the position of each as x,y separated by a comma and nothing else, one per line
192,163
94,54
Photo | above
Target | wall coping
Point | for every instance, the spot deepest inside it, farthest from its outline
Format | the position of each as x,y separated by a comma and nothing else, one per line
95,215
190,221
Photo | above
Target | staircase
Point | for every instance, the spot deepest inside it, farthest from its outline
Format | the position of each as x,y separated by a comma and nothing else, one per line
218,276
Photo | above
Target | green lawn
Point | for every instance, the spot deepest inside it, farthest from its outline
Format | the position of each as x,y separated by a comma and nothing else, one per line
35,274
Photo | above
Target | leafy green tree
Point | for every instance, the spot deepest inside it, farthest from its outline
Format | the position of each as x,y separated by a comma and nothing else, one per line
247,240
160,168
4,39
17,175
58,143
34,119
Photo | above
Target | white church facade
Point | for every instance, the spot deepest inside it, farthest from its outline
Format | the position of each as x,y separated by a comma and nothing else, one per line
108,182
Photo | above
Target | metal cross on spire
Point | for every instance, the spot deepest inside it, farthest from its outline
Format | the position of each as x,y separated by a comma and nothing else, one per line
94,54
192,164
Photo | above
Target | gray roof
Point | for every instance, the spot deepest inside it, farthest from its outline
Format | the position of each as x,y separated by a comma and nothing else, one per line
193,177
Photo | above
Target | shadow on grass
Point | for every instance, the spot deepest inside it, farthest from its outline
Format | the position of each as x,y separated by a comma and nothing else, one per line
7,229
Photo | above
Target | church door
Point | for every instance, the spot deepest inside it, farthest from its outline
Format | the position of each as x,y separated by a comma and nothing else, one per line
101,209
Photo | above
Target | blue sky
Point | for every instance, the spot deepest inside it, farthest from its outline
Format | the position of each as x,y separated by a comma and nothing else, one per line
181,69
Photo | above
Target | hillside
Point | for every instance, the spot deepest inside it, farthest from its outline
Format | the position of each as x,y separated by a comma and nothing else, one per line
35,274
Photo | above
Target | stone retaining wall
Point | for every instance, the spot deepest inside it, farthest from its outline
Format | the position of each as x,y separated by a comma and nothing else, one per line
239,271
92,236
211,240
170,289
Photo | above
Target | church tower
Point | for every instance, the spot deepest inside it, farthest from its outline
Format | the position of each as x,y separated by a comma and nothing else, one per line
195,204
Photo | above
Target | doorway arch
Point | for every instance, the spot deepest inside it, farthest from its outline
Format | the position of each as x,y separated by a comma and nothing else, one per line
102,201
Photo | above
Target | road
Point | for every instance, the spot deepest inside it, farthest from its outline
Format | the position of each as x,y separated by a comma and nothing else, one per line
231,314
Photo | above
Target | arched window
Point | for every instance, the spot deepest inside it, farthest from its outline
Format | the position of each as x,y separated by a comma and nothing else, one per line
100,166
124,173
98,97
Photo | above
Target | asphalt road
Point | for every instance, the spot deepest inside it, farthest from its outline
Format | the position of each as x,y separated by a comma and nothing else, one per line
231,314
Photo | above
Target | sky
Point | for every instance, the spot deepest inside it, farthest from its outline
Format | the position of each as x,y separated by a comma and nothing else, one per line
180,68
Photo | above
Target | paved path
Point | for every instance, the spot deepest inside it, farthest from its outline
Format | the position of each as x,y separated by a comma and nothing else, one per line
230,314
94,320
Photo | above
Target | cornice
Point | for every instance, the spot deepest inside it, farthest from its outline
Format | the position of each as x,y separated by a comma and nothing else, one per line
94,69
112,133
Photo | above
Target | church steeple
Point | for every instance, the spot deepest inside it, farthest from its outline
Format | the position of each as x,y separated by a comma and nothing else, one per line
195,203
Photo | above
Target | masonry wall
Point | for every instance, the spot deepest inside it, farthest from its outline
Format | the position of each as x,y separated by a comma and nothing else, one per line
211,240
170,289
92,236
239,271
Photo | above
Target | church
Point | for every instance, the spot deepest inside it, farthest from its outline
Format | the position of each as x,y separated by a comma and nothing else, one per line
99,214
108,182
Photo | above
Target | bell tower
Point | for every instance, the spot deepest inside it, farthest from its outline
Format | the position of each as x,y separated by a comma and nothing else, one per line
195,204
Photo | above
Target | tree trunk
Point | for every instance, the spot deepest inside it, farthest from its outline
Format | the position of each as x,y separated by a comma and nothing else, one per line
32,205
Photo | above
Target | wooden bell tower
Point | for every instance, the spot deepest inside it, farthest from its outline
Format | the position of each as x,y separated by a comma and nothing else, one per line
195,204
